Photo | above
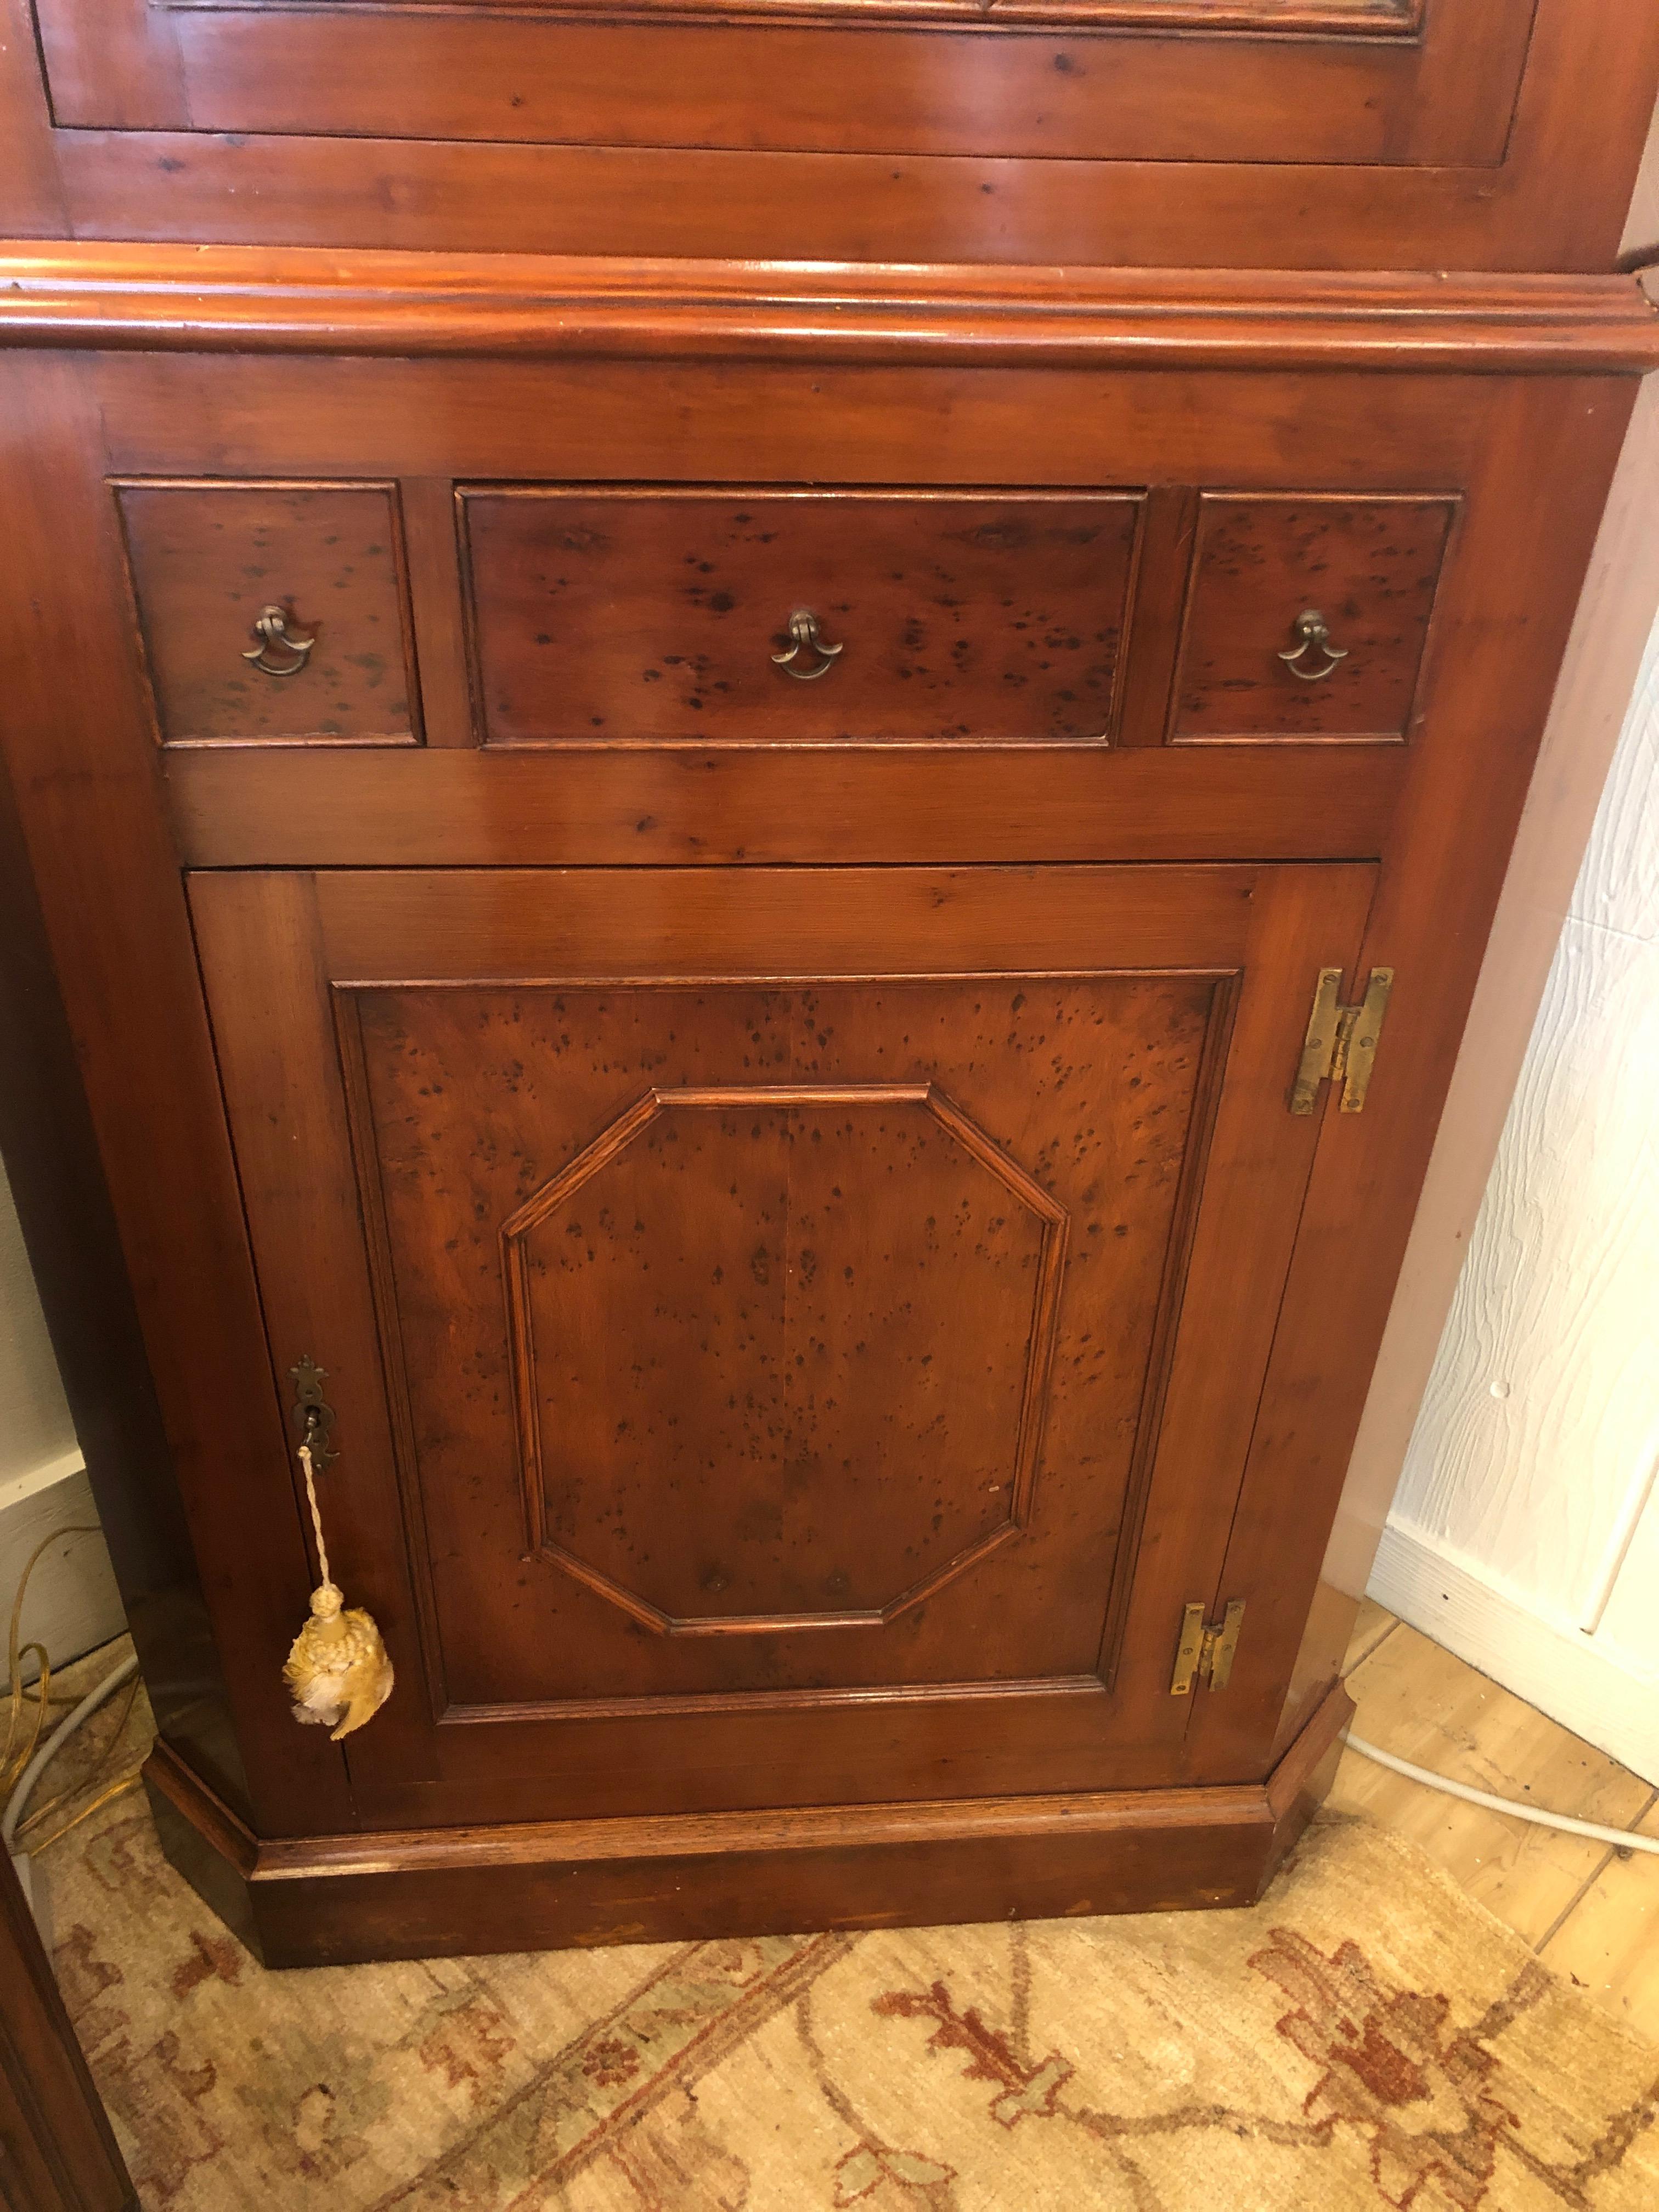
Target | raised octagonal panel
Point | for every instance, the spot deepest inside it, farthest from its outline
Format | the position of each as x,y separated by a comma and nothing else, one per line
780,1353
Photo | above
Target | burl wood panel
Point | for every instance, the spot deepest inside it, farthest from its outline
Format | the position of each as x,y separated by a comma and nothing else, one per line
1370,567
885,1435
206,558
834,1305
654,615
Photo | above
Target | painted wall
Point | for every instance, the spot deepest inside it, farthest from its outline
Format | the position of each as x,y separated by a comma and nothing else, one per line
35,1422
72,1602
1525,1533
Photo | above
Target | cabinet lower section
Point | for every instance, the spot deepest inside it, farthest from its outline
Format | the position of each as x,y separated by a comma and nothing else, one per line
842,1250
344,1900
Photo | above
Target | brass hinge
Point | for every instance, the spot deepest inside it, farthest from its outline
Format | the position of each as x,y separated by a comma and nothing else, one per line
1341,1041
1207,1648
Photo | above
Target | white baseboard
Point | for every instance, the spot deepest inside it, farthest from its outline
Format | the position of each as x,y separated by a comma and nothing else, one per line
1561,1672
26,1482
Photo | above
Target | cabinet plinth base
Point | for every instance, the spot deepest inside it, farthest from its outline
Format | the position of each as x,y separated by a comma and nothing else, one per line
337,1900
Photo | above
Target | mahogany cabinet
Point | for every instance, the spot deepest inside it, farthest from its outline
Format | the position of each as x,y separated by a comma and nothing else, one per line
743,943
756,757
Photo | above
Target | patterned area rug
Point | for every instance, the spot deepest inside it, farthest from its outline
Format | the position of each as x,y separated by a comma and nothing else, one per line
1367,2037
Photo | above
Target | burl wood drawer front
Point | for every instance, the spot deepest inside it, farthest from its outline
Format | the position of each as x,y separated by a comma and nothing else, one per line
272,612
794,617
1307,616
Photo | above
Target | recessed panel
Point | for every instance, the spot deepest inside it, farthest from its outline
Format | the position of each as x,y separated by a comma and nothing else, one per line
786,1337
1384,82
838,1373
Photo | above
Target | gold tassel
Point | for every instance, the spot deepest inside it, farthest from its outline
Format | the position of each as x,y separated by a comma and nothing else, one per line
338,1673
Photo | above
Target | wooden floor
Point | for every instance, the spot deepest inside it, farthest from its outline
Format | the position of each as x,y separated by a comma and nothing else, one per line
1590,1914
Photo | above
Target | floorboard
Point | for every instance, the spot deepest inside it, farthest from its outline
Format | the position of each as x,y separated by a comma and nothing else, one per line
1590,1914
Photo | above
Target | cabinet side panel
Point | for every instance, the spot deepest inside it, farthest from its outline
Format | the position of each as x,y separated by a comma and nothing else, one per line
1533,510
63,1204
87,787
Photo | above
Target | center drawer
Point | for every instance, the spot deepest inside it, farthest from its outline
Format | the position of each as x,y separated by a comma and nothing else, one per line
796,616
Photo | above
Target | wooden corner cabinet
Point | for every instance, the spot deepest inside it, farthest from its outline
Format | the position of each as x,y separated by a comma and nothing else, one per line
803,918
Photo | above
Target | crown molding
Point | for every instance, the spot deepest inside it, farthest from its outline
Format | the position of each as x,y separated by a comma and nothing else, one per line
310,300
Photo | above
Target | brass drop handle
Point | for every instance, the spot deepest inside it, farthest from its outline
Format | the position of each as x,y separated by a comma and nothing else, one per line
271,627
1316,638
805,637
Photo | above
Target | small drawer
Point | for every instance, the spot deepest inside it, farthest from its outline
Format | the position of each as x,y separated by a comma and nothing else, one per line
796,617
1307,617
272,613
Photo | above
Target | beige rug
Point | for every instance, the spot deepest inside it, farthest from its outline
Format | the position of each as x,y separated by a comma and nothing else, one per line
1367,2037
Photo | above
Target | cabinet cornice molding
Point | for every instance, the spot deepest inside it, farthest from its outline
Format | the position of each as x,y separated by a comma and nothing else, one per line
307,300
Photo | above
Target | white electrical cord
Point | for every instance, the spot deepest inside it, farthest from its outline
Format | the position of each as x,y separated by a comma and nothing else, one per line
55,1742
1621,1839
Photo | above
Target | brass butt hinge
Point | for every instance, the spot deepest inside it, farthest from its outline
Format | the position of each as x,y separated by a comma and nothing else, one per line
1341,1041
1207,1648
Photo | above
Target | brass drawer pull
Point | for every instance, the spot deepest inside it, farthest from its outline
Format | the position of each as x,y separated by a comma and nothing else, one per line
271,627
1316,638
805,637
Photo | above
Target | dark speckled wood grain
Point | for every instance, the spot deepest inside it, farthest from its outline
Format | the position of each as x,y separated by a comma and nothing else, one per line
654,615
790,1364
1370,565
204,559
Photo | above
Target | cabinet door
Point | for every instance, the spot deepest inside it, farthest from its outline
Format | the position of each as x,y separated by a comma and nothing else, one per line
794,1333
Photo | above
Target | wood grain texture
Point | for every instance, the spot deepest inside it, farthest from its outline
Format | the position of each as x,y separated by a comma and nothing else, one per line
84,768
1603,1938
851,1267
206,558
1370,1164
57,2152
1605,1942
1367,568
1559,200
1424,1705
249,299
436,599
74,1244
31,201
803,80
1410,140
1383,19
418,1055
914,422
337,1900
692,806
721,1507
625,615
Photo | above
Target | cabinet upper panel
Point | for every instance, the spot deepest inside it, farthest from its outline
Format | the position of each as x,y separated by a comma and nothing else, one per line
1301,133
1405,81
